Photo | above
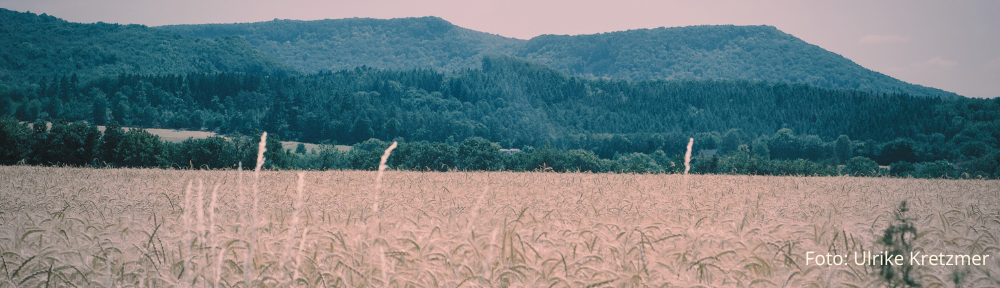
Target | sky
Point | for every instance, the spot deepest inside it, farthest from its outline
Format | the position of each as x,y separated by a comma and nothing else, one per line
951,45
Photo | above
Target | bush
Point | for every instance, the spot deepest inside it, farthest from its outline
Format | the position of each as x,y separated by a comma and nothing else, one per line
476,153
862,166
14,141
938,169
898,239
138,148
902,168
988,166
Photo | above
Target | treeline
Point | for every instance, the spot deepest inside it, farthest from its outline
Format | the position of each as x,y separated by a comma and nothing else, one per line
519,104
81,144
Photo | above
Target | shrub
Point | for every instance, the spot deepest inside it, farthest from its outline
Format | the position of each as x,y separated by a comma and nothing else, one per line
902,168
862,166
898,239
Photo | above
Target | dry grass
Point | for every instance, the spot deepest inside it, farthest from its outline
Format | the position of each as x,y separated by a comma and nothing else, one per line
126,227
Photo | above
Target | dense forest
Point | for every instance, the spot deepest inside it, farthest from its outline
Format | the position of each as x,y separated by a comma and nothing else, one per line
696,52
408,43
711,52
756,100
518,104
36,46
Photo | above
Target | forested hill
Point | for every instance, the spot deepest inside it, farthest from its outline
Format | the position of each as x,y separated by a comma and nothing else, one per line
696,52
711,52
37,46
404,43
508,100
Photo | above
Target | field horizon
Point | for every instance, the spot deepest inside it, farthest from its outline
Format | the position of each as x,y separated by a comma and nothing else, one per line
152,227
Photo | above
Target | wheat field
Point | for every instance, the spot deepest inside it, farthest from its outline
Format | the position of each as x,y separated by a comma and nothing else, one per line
77,227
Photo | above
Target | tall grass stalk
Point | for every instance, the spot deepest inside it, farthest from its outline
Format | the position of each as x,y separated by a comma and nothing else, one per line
249,273
107,262
186,209
239,194
298,255
218,265
295,217
687,156
241,220
256,176
211,213
199,208
378,178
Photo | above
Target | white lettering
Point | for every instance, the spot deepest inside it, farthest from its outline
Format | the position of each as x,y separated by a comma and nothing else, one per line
914,260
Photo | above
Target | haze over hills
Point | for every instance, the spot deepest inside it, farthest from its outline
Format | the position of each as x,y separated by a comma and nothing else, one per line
696,52
37,46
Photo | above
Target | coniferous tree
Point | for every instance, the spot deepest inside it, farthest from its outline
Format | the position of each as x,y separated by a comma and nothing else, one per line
842,148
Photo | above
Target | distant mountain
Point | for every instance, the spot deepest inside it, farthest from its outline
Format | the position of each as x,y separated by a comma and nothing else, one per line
36,46
711,52
406,43
696,52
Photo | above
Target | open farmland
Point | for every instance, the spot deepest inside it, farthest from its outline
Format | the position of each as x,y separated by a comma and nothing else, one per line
137,227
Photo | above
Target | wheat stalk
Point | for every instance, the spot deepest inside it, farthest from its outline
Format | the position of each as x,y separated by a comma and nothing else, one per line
378,178
687,156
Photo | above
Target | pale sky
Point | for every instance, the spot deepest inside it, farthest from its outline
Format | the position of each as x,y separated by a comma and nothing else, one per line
951,45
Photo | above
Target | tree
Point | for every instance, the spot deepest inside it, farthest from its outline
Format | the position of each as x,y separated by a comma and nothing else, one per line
901,168
784,145
938,169
300,149
732,140
862,166
476,153
367,155
100,106
842,149
108,150
276,156
14,141
212,153
897,150
39,142
974,149
986,166
138,148
760,149
72,143
424,155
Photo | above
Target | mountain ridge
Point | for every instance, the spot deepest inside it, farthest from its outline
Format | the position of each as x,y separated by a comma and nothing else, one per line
43,46
399,43
690,52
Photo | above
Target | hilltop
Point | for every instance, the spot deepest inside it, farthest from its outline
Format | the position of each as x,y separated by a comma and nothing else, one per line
695,52
404,43
711,52
37,46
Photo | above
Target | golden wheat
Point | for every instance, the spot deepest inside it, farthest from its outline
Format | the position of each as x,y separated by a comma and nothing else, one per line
132,227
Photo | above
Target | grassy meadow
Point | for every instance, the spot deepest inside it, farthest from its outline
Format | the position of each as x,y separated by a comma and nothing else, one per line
77,227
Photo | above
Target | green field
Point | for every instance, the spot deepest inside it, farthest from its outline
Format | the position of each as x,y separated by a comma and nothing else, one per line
176,136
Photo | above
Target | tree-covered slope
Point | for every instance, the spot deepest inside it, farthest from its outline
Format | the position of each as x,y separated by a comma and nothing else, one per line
711,52
696,52
406,43
36,46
